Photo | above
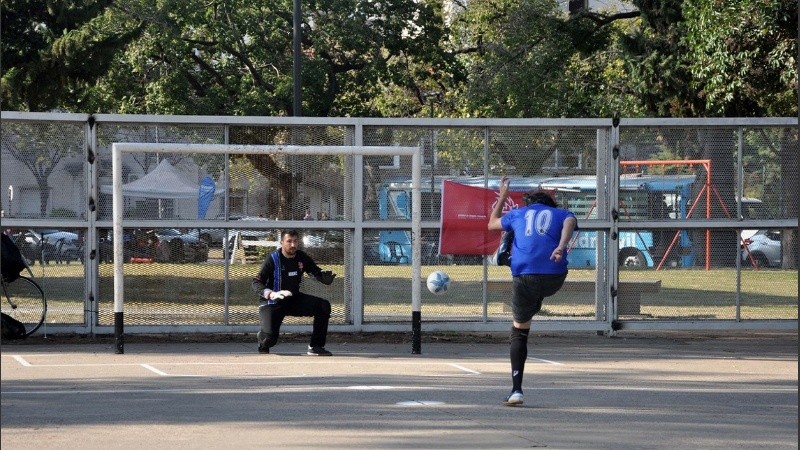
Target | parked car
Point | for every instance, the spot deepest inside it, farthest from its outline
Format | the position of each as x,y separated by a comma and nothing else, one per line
174,245
764,247
381,249
170,234
162,245
136,244
50,245
753,209
324,246
216,236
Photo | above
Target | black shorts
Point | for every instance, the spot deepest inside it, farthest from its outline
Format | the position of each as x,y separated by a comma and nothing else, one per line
530,290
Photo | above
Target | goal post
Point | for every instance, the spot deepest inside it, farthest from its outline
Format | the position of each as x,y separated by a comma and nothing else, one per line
119,149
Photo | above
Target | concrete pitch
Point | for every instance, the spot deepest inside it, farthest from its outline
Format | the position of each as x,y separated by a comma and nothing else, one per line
581,391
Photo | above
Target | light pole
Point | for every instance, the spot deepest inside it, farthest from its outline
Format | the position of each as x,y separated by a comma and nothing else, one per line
432,97
296,77
297,81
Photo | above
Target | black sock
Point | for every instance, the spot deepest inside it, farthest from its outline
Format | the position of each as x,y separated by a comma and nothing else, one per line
519,353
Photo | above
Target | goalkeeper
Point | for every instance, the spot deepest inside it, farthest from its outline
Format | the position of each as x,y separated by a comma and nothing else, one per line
278,287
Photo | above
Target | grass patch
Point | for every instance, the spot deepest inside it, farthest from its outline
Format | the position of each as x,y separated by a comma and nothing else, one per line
160,292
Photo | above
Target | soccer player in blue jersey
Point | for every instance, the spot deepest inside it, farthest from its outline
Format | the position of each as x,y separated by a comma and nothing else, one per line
538,265
278,287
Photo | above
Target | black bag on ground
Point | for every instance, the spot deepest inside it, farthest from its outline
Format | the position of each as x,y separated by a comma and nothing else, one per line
12,261
11,328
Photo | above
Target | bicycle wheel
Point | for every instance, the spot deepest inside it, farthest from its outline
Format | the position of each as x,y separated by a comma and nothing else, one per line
24,300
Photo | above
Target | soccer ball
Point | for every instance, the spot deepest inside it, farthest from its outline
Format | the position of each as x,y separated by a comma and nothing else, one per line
438,282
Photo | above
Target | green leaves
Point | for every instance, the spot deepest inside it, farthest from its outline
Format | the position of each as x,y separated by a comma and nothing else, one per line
491,58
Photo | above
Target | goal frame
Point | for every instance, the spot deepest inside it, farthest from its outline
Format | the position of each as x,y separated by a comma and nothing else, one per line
119,149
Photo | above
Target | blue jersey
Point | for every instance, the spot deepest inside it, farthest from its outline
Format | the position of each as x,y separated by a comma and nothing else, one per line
537,231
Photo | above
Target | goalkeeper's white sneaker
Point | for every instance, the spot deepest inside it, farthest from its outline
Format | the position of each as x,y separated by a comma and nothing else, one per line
514,398
318,351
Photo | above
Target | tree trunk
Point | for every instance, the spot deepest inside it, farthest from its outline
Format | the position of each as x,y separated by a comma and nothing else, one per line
789,152
719,146
44,196
283,186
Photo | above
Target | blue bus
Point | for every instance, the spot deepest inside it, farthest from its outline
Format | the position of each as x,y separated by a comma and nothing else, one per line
641,197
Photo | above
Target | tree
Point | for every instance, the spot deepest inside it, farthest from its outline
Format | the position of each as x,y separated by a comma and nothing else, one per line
719,58
742,56
52,51
530,59
235,57
516,54
658,73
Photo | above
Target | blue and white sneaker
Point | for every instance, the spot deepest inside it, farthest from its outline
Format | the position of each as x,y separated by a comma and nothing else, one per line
514,398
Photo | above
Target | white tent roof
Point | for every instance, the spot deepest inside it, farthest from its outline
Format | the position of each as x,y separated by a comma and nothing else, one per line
163,182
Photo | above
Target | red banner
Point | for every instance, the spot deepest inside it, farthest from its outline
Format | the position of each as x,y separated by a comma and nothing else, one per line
465,216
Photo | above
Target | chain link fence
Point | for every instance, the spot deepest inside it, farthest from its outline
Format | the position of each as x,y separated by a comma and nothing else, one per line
683,223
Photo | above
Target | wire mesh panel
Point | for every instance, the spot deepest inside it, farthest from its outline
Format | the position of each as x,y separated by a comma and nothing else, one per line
478,158
703,227
45,186
214,267
44,170
312,188
447,154
169,277
769,173
170,283
56,258
720,293
768,289
679,175
563,163
289,187
157,186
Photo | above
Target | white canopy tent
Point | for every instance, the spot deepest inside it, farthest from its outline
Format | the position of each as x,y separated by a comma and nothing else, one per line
163,182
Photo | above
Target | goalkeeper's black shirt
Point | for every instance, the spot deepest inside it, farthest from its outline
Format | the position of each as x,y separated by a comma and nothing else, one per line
289,273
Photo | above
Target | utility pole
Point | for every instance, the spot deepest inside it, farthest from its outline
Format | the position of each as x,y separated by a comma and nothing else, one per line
296,76
432,97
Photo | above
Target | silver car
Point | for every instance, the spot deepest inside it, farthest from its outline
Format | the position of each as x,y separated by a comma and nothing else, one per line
762,249
48,245
216,236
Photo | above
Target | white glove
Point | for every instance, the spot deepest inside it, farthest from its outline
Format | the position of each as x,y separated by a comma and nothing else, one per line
276,295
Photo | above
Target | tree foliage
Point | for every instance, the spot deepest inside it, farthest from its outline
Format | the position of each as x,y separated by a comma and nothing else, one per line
489,58
653,53
742,56
53,51
526,59
715,58
235,57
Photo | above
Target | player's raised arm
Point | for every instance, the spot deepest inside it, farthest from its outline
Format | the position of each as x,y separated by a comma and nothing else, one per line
497,211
